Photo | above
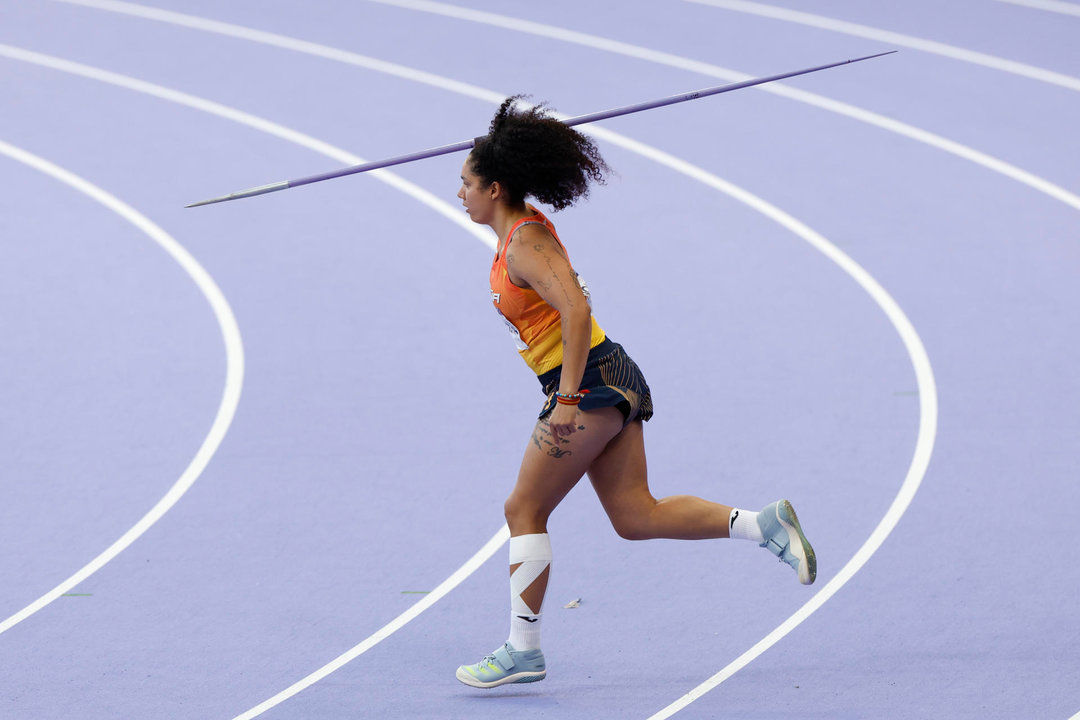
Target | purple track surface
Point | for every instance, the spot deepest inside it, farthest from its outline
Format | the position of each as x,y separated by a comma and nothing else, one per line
380,411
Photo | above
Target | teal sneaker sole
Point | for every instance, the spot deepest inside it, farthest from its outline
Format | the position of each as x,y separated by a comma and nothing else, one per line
524,677
802,550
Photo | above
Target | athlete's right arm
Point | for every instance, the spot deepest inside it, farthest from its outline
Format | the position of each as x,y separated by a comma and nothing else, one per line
535,258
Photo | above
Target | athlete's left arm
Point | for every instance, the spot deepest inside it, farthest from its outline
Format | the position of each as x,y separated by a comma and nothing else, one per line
535,259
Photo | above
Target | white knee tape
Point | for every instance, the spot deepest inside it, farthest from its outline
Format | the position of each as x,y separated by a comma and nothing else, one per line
533,555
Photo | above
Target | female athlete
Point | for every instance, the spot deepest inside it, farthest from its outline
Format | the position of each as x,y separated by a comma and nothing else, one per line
597,398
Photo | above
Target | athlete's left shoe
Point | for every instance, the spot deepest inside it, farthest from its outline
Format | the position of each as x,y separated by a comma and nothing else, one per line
785,539
505,665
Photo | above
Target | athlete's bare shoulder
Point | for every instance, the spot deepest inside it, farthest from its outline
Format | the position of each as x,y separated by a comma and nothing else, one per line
537,238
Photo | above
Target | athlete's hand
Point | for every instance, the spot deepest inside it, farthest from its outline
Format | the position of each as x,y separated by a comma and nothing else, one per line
563,422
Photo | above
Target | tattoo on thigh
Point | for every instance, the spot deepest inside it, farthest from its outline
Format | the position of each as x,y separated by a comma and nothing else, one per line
542,439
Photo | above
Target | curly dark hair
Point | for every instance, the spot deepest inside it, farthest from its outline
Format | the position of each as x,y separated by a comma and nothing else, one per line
532,154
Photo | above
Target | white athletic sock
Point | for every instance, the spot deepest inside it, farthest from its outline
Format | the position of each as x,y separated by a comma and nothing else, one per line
742,525
532,554
524,632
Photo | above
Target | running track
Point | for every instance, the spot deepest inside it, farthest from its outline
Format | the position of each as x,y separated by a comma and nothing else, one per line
247,443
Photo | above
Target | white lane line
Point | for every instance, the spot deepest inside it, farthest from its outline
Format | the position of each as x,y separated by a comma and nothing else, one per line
924,446
451,212
233,345
289,43
917,354
894,38
676,61
234,371
1065,8
470,566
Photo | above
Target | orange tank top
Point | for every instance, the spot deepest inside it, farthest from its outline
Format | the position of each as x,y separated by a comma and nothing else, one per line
535,325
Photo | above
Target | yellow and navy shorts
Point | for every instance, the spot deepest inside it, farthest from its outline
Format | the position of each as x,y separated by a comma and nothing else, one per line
612,378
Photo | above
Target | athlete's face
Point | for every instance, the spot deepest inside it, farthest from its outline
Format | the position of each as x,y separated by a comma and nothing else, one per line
476,195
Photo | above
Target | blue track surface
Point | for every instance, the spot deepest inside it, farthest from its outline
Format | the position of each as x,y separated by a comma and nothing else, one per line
776,260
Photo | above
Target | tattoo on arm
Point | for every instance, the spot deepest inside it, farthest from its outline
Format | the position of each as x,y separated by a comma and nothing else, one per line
547,285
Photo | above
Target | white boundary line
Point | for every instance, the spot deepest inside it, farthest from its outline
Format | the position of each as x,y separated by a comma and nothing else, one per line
894,38
920,462
290,43
1065,8
924,375
676,61
230,331
234,371
471,565
418,193
924,445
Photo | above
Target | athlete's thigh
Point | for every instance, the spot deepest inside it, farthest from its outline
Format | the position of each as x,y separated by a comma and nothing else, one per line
552,466
619,474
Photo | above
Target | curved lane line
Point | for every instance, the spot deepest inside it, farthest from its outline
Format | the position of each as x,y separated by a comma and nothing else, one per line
224,315
928,410
924,446
676,61
471,565
894,38
1065,8
418,193
450,212
234,371
288,43
916,351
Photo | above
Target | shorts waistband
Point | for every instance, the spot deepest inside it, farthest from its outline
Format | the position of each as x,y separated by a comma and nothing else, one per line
605,348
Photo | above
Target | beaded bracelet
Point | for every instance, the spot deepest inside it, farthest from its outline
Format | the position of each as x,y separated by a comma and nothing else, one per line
570,398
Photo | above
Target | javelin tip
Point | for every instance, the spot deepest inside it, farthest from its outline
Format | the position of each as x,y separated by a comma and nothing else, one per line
251,192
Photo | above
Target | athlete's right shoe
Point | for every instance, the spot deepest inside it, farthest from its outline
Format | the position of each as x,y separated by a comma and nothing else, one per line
785,539
505,665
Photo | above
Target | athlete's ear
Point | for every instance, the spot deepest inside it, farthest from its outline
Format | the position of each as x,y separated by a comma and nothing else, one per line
495,189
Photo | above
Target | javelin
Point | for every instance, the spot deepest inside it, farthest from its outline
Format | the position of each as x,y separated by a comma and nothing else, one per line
468,144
